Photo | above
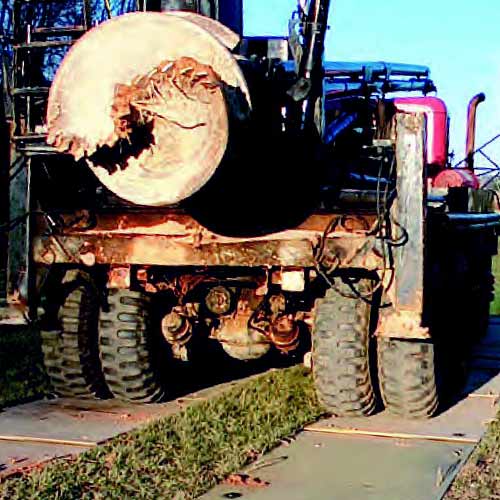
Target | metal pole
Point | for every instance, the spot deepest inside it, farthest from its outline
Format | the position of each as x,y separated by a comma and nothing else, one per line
309,84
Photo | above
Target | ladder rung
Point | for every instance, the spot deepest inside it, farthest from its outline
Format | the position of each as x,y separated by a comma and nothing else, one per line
43,45
23,91
30,137
58,31
35,153
34,150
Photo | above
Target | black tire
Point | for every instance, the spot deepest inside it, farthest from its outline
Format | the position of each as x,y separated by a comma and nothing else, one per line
126,348
408,378
341,352
479,303
70,348
477,319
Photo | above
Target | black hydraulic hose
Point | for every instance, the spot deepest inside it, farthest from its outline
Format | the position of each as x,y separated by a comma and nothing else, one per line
314,35
310,74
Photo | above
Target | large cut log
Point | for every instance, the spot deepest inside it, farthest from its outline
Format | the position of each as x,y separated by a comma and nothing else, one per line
147,100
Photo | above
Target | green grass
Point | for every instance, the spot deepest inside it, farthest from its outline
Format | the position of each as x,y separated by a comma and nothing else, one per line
480,478
182,456
22,376
495,305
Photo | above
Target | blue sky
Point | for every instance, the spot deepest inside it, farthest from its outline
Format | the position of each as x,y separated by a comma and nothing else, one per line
458,39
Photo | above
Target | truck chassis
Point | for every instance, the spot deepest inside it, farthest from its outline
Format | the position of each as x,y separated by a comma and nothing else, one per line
366,282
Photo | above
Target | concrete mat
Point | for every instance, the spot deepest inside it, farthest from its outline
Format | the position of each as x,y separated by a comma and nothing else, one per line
88,422
465,420
320,467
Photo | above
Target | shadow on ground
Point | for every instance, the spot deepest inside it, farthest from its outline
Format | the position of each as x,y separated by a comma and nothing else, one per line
22,375
23,378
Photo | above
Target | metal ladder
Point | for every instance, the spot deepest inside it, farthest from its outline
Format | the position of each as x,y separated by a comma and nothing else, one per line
29,89
36,30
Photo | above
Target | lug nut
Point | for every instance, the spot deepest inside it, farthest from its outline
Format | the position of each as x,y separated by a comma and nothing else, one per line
219,300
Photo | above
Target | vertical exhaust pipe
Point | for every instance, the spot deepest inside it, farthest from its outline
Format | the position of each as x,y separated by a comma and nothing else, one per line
470,144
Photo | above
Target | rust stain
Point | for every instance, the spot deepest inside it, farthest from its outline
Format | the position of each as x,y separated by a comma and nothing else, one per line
151,96
119,277
162,250
171,237
405,324
245,480
28,468
285,333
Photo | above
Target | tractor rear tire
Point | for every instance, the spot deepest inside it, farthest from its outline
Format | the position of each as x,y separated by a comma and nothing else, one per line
341,352
126,348
407,377
70,351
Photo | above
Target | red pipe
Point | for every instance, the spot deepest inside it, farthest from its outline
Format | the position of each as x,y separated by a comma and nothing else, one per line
471,129
436,116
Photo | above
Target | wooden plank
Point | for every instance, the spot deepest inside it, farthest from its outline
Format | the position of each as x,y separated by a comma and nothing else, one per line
39,440
391,435
409,210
